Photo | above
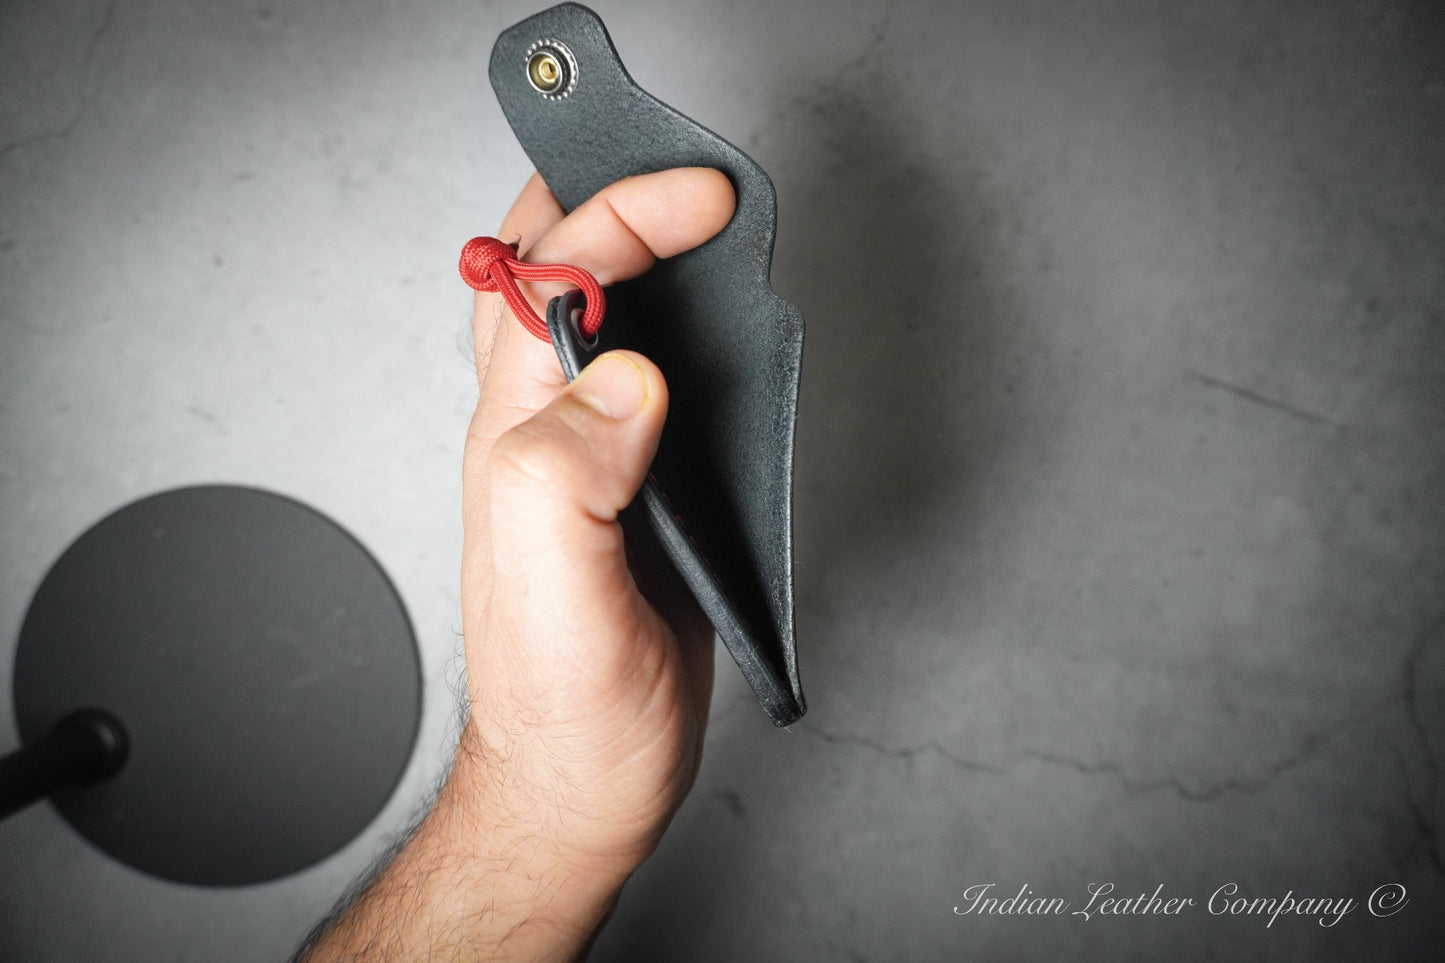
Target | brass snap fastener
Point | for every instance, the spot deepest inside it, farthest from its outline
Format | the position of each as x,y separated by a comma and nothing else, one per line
551,69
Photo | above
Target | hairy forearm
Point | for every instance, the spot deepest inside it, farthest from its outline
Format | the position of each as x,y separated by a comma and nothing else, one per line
475,882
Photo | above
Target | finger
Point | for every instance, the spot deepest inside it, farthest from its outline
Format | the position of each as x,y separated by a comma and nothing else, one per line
532,215
621,230
617,234
556,485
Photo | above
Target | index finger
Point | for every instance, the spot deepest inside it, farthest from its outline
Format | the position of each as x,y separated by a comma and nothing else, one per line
616,234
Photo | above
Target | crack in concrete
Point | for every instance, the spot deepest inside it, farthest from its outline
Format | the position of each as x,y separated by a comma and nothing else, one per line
87,91
1206,793
1410,696
907,752
1133,787
1265,401
1424,823
878,33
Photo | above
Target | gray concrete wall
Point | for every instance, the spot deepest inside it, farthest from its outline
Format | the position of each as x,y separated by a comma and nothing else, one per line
1119,487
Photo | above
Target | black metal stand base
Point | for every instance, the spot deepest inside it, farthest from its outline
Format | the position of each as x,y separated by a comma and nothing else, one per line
259,664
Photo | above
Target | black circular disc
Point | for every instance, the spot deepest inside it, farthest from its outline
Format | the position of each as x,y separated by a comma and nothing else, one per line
262,664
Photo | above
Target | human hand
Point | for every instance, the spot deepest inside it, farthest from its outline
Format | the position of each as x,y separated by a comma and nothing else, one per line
587,705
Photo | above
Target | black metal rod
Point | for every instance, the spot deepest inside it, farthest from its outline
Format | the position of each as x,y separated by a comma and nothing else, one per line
87,746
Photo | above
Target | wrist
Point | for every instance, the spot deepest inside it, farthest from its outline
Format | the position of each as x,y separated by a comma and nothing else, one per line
525,871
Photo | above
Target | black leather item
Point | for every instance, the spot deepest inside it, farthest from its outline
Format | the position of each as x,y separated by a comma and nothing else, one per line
729,347
775,694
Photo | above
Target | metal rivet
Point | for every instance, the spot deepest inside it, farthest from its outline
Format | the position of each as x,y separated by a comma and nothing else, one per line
551,69
576,319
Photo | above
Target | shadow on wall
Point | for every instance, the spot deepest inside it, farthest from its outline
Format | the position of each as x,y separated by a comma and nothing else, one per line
889,245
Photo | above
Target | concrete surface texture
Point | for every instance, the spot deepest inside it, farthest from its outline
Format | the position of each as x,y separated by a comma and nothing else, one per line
1119,479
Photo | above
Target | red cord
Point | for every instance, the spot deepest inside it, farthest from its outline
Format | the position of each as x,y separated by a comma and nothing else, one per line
489,265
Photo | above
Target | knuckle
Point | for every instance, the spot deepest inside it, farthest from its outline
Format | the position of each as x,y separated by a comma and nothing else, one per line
537,454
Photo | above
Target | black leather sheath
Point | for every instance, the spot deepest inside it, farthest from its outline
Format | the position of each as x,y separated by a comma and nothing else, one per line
729,347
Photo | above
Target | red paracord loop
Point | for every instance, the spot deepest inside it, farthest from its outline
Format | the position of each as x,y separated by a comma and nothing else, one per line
489,265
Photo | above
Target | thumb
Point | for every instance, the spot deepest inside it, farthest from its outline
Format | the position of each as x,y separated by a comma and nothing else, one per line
557,484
